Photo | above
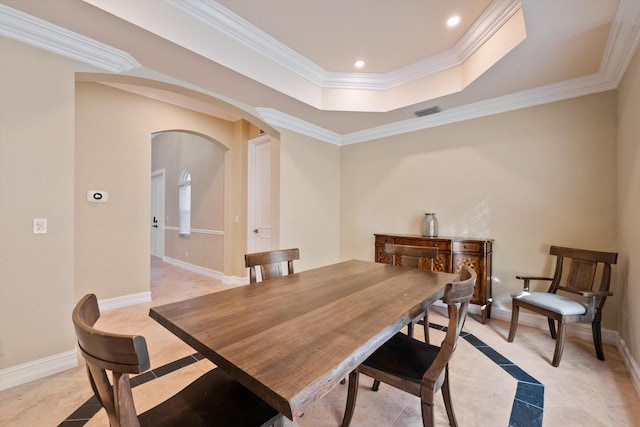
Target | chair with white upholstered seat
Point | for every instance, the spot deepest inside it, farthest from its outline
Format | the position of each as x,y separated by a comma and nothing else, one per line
583,300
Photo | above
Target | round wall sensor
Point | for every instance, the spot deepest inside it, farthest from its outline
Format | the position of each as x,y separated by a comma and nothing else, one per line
96,196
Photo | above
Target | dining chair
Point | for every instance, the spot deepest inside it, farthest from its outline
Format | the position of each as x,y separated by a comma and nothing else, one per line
417,367
213,399
269,263
421,257
586,301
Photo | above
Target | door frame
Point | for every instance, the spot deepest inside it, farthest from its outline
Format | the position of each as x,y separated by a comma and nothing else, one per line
161,173
252,188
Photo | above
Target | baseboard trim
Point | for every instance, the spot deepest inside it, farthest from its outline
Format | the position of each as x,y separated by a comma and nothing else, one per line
235,280
124,301
630,364
31,371
37,369
214,274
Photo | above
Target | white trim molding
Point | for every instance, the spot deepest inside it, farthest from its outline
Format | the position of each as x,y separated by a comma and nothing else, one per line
37,32
197,230
220,19
624,38
279,119
623,41
34,370
630,364
227,280
124,301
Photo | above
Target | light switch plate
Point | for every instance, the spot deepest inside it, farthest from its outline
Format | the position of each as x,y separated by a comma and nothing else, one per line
39,225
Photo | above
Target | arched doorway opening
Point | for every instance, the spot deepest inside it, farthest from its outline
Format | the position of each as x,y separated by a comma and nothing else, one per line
193,235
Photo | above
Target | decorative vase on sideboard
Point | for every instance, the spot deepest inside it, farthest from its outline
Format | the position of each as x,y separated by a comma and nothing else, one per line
430,225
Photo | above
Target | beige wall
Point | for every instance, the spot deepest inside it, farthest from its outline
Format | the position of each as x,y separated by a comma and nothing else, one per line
629,206
36,181
113,153
175,152
310,199
528,179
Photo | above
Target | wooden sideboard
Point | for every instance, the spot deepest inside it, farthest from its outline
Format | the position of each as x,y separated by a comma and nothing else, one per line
453,253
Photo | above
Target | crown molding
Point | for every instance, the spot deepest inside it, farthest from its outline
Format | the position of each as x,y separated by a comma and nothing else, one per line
496,15
279,119
221,19
623,41
338,91
528,98
42,34
624,37
233,26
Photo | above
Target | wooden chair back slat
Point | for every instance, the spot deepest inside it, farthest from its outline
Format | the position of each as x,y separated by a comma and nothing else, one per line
270,263
585,266
411,256
581,275
584,254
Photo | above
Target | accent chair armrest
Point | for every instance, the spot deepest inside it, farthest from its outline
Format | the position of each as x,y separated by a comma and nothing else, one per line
527,279
596,294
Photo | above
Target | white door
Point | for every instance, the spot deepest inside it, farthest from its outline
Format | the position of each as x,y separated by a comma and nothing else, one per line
259,215
157,213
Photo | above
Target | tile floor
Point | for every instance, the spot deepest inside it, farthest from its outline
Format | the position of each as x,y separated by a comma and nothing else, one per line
494,383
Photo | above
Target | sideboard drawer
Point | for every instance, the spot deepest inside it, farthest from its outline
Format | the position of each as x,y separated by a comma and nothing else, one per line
442,245
467,247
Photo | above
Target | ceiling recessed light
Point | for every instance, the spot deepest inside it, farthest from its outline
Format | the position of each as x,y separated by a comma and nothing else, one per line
453,21
359,63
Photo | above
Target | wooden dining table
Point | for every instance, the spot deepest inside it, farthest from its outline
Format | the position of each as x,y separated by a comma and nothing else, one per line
292,339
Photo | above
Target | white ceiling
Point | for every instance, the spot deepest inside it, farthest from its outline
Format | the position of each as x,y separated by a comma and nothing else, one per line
290,62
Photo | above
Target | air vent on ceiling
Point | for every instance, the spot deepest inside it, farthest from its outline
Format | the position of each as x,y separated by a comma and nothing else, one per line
428,111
